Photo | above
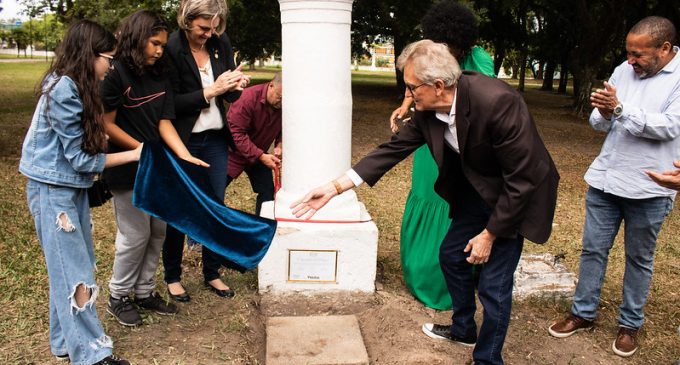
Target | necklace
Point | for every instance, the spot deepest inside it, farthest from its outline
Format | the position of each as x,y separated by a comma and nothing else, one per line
196,50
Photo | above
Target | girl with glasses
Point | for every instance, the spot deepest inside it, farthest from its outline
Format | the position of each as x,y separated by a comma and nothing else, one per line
62,153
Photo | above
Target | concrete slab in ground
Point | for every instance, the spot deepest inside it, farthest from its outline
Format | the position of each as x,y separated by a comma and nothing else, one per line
542,275
319,340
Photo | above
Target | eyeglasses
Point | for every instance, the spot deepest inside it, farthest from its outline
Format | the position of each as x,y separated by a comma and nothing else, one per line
411,88
109,58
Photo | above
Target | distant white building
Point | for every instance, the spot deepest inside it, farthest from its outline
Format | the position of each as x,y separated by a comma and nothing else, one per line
381,58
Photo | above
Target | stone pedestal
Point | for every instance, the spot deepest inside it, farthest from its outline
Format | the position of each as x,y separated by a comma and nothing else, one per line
349,264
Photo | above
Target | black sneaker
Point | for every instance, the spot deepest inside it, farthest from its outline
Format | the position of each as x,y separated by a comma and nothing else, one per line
155,303
123,310
112,360
442,332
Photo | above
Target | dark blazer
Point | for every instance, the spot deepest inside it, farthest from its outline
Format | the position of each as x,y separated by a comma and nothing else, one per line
501,154
186,81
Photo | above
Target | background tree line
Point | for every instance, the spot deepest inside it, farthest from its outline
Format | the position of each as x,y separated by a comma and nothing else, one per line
579,40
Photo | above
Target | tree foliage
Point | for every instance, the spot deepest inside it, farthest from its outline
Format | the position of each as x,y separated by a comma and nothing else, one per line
396,20
583,39
254,27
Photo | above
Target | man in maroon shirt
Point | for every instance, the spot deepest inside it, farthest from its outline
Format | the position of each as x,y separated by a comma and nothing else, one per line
255,123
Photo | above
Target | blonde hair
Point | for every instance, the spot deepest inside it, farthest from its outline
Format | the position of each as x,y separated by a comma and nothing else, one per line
210,9
431,61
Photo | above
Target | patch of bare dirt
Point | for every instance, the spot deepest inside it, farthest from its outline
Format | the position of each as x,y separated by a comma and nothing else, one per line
390,325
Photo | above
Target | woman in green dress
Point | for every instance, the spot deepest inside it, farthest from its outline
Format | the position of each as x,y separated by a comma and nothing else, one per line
426,215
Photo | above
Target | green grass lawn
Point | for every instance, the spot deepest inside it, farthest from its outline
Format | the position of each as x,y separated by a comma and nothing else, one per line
5,56
573,144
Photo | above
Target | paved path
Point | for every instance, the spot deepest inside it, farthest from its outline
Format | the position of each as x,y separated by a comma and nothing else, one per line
37,55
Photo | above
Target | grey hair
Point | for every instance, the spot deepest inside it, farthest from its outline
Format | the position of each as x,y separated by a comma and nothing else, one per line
431,61
210,9
660,29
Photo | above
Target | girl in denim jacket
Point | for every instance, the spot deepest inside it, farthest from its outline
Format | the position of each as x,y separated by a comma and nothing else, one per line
62,153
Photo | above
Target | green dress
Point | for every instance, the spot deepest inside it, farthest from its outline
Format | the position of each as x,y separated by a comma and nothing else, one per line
426,216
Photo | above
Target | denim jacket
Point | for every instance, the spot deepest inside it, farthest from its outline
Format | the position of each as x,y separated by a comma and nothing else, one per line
52,149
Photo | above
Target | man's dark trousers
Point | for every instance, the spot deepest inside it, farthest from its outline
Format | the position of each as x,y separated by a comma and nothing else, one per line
470,217
261,181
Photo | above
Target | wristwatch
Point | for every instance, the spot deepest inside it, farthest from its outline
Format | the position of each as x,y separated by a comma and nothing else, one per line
618,110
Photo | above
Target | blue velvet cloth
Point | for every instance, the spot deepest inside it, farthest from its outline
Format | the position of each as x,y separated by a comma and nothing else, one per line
179,193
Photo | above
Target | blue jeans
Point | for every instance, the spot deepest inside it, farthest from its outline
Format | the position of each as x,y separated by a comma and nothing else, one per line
470,217
63,225
211,147
643,219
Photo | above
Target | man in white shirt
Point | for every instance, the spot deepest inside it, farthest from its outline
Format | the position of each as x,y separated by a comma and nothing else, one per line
639,108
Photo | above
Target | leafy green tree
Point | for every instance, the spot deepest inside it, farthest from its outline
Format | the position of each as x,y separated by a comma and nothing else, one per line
254,28
32,8
21,39
498,27
109,13
395,20
47,31
5,35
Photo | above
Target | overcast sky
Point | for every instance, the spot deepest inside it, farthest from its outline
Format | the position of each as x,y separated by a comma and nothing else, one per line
10,9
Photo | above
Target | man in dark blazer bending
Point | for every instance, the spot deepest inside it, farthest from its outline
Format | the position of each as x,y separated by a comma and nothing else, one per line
495,172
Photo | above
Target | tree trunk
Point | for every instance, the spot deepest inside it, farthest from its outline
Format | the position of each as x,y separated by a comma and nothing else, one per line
583,84
522,69
564,78
515,71
538,75
498,60
399,44
548,76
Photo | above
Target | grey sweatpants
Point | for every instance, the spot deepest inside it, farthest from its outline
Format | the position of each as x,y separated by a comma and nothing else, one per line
138,248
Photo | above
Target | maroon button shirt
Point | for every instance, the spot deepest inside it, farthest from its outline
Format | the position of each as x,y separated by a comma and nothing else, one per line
255,125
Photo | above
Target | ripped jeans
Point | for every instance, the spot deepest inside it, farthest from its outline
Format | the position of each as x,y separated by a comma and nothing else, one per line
63,226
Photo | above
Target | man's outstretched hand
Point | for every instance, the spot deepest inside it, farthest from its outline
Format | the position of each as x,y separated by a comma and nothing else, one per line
313,201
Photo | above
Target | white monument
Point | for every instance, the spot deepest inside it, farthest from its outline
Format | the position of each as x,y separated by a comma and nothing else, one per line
337,249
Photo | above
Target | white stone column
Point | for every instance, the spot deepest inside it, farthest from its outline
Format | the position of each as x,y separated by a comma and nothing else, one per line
317,141
317,103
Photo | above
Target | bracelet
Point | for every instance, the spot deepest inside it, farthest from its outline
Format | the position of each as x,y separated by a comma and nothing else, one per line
338,188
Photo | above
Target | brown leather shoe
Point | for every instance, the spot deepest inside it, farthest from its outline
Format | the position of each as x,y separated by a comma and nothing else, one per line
626,342
569,326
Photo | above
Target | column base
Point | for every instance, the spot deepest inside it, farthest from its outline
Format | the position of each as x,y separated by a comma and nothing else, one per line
345,207
319,257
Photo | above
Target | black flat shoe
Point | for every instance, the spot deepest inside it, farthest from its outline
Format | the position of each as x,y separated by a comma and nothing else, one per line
229,293
184,297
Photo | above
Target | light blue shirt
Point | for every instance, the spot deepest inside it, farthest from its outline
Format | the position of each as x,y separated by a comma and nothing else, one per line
643,137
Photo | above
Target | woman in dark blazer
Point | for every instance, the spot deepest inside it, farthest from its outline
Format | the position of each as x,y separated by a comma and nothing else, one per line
205,78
